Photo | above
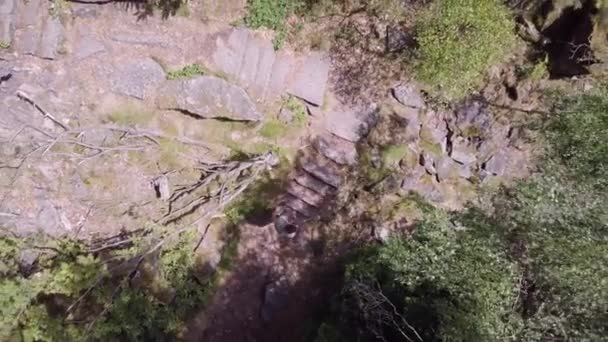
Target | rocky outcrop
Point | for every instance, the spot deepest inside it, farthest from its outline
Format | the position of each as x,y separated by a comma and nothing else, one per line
208,97
266,74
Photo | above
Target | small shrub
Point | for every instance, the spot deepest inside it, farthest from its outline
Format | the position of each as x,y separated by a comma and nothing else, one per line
458,40
4,45
300,114
578,134
271,14
187,72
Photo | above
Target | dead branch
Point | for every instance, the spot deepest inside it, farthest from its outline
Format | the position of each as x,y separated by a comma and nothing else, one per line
25,97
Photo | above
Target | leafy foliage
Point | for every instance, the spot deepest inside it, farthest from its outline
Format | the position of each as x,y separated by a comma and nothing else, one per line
458,40
444,285
271,14
579,132
153,308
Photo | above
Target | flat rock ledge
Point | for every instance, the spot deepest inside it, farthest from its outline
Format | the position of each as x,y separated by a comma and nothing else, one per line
208,97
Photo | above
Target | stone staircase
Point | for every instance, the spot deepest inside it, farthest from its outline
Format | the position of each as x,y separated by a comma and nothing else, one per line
321,170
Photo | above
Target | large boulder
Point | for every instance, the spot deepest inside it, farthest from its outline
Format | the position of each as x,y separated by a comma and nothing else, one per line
208,97
137,78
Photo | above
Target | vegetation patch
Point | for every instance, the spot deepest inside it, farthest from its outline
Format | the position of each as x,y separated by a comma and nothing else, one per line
130,115
273,129
458,40
187,72
271,14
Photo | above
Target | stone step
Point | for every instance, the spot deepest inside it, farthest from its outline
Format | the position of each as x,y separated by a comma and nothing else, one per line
305,194
308,180
300,206
339,150
322,168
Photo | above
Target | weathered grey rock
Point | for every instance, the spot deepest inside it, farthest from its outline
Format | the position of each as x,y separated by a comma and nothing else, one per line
447,168
435,131
497,164
382,234
30,13
276,298
137,78
310,79
208,97
27,260
256,68
305,194
339,150
287,222
325,172
408,95
462,151
161,187
27,41
473,119
139,38
285,115
428,162
309,181
7,29
263,75
7,6
230,50
300,206
88,46
53,35
350,124
411,180
282,67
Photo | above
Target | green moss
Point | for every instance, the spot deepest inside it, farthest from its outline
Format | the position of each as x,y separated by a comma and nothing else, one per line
273,129
4,45
187,72
299,111
392,155
458,41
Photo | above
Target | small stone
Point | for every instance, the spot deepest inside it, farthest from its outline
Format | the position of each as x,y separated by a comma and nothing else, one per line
161,187
285,115
462,152
137,78
381,234
27,260
408,95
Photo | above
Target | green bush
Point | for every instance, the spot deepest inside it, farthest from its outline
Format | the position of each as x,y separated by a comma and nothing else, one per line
443,284
578,134
270,14
458,40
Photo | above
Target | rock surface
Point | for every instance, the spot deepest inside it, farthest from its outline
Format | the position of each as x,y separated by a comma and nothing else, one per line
137,78
208,97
